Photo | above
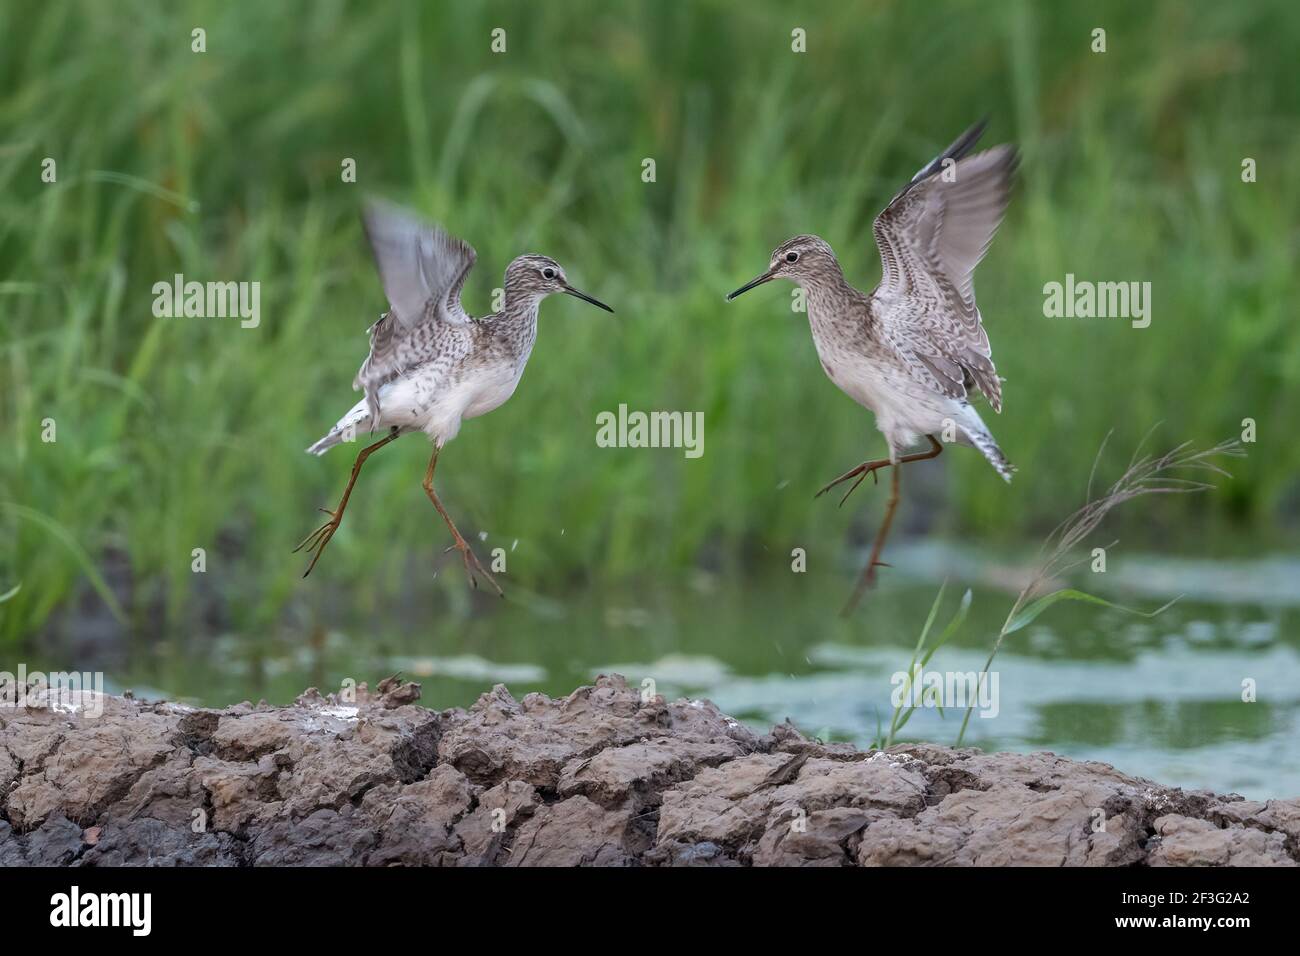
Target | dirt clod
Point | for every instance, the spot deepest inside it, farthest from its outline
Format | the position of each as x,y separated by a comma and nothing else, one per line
601,777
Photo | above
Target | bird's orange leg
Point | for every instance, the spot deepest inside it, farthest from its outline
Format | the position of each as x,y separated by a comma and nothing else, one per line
466,552
868,577
869,572
870,468
319,538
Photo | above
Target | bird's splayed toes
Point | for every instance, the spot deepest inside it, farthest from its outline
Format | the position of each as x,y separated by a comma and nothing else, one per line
318,539
860,472
473,564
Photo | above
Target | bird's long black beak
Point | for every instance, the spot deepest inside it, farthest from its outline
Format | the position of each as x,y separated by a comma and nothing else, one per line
578,294
765,277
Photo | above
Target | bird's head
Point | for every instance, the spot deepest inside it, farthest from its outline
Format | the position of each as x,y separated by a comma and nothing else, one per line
539,276
800,259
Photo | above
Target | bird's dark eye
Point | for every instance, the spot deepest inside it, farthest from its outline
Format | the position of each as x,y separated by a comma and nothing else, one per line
792,257
548,273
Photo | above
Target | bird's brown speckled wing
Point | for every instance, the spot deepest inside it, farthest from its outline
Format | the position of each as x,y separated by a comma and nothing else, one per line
423,269
931,237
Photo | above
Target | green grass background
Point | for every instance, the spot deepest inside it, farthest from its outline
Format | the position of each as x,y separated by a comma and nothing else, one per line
187,433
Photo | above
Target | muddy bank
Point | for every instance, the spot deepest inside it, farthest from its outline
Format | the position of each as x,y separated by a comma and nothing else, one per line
599,777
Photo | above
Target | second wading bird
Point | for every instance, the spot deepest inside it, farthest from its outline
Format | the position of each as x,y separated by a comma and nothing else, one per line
913,350
430,364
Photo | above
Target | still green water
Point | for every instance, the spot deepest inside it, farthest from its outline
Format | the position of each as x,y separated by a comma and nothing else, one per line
1159,697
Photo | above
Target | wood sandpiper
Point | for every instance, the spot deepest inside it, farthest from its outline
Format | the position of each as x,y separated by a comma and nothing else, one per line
913,350
430,364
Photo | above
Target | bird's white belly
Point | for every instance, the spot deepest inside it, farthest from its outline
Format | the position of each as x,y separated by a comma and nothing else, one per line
904,410
402,403
437,409
491,389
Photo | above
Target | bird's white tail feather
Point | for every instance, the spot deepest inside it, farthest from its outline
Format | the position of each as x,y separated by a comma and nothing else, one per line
989,448
976,432
995,455
326,443
354,422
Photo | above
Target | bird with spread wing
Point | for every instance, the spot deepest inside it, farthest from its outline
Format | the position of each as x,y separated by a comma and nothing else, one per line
914,350
431,365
